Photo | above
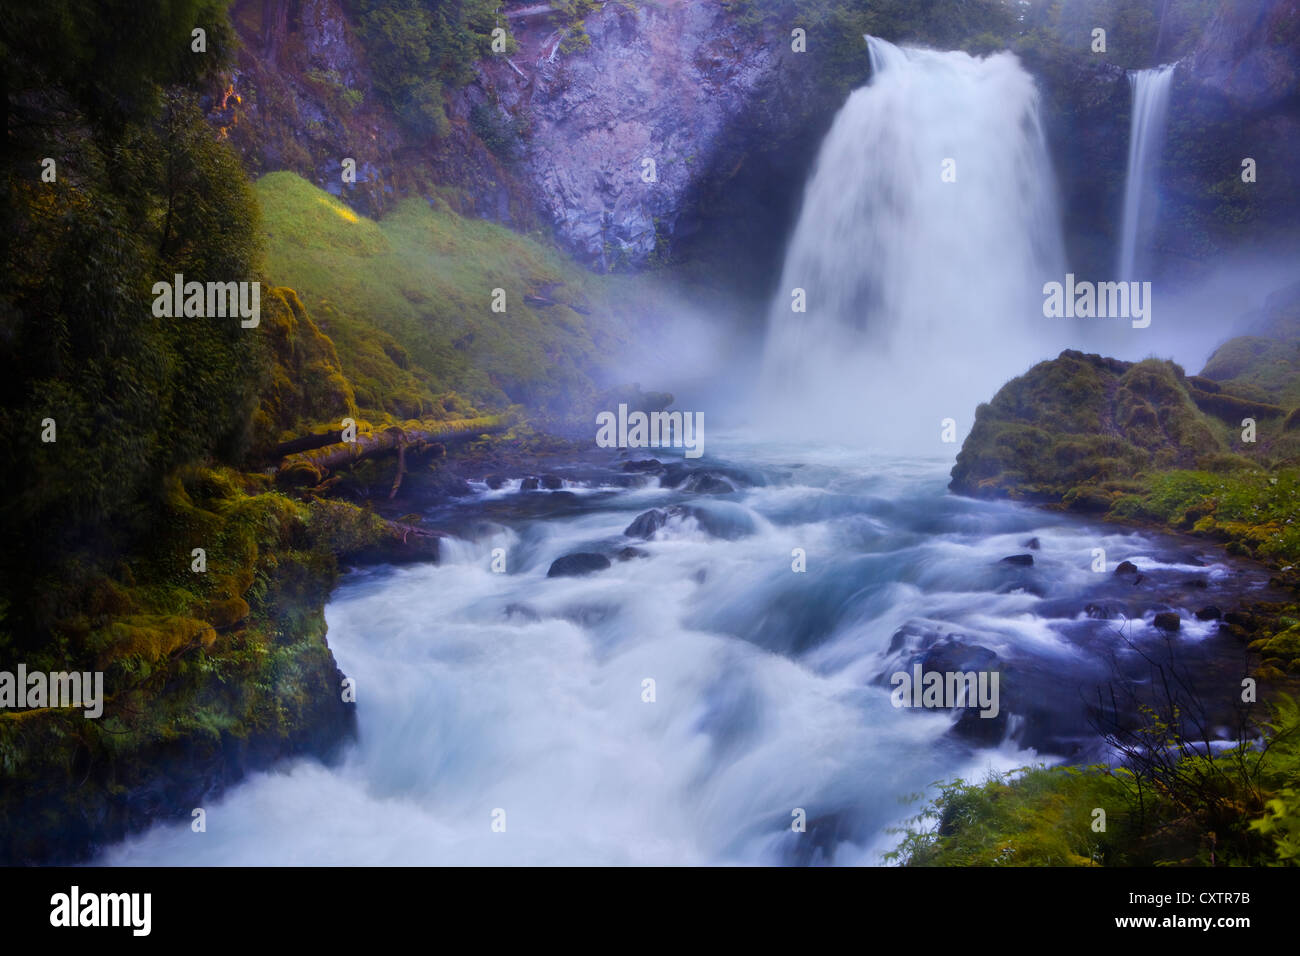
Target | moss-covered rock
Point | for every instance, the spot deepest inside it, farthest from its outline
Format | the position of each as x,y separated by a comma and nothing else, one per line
1083,420
211,668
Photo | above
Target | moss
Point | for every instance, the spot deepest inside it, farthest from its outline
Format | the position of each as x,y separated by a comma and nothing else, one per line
1080,419
413,315
1037,817
1283,648
223,669
1215,809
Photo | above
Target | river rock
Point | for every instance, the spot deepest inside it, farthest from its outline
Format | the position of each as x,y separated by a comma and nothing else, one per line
707,483
647,523
1167,621
979,731
578,563
1023,560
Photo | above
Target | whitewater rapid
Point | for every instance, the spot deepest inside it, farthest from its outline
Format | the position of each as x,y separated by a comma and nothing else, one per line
480,692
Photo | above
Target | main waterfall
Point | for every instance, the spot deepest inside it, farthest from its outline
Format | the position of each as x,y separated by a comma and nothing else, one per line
1146,136
928,228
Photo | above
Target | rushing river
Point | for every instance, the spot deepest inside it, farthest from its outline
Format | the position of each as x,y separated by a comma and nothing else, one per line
694,700
481,691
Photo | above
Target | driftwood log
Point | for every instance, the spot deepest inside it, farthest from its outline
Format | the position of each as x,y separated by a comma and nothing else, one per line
313,464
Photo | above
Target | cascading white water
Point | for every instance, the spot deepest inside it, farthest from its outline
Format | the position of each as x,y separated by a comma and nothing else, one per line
928,228
1146,136
521,698
481,693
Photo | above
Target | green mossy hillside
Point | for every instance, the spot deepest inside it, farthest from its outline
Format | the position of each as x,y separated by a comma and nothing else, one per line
1087,431
418,286
1265,365
313,384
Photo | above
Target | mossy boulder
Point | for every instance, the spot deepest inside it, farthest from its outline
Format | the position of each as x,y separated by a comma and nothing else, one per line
1080,420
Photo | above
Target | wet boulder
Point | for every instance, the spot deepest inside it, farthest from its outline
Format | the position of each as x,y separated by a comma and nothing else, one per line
707,483
1167,621
647,523
577,564
646,464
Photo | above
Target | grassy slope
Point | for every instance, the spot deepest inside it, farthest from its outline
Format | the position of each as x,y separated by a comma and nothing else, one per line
425,277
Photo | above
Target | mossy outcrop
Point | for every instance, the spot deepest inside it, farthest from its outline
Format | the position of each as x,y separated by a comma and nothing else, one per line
1075,428
214,664
1092,427
1215,455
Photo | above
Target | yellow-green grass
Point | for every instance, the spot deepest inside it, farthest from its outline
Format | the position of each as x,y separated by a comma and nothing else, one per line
427,277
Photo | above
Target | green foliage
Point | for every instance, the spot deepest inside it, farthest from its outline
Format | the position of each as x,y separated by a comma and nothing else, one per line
421,49
144,190
199,668
344,98
1139,33
500,134
1258,510
110,59
1280,822
1266,365
1031,817
835,28
1232,807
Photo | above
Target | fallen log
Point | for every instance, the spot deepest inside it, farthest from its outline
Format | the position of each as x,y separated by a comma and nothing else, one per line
305,443
314,465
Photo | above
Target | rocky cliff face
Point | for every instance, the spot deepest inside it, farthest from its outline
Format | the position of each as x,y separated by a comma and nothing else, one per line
302,98
1236,98
1251,54
667,100
622,146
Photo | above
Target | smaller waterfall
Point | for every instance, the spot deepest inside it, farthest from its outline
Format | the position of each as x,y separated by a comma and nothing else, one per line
1146,136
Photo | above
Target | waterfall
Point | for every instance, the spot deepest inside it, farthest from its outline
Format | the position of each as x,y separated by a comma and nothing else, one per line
1146,135
928,227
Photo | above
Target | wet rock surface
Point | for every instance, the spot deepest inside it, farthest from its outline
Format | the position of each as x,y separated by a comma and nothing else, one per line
1116,631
